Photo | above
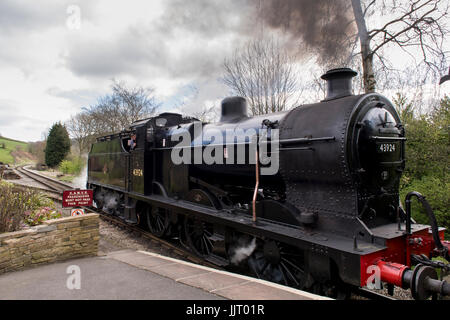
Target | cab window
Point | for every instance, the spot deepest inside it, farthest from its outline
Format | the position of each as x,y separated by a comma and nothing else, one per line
160,122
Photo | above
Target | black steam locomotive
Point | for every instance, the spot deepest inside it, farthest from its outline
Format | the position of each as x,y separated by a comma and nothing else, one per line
325,217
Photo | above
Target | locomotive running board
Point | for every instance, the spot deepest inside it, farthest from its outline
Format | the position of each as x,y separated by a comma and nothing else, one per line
242,221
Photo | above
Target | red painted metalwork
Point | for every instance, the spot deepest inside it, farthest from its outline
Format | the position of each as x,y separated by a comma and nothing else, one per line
391,272
398,252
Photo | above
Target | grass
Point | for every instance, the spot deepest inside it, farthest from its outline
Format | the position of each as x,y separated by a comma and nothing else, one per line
10,145
68,178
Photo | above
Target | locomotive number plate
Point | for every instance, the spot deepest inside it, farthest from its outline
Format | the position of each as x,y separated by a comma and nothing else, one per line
386,147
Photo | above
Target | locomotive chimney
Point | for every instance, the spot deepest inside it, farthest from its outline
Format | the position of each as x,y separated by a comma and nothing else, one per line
339,83
233,109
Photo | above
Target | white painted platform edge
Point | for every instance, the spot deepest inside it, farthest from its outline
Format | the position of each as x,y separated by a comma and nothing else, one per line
250,279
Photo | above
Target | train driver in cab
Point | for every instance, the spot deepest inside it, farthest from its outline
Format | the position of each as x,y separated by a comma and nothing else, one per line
132,142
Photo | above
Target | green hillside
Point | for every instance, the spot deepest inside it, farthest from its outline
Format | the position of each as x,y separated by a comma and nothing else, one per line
10,145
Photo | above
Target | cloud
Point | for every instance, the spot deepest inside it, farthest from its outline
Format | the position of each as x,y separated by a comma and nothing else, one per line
208,18
188,39
26,16
132,52
18,125
20,15
80,97
50,71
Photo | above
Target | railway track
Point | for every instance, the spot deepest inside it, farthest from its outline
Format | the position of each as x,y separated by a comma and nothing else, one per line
52,184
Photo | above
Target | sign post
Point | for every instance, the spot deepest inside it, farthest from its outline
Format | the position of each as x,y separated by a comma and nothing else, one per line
77,198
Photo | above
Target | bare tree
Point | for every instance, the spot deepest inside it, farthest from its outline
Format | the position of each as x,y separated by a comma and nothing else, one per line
263,73
38,150
81,130
132,104
116,111
418,24
206,114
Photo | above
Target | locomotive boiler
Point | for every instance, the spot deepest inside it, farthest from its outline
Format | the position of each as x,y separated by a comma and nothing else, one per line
307,198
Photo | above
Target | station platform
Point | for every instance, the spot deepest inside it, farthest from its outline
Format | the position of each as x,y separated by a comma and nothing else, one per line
139,275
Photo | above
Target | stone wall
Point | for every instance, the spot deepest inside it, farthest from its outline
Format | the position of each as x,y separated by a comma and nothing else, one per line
54,240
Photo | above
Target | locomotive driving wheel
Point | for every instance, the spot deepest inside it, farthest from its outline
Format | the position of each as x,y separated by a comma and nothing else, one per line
277,262
198,233
158,221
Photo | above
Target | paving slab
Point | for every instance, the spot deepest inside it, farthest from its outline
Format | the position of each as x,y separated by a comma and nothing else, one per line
177,271
226,284
258,291
138,260
212,281
100,279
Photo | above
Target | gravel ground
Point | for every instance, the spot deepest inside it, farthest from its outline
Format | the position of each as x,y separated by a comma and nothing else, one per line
399,293
113,238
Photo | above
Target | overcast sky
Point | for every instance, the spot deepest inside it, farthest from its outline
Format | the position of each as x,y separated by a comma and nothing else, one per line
58,56
52,63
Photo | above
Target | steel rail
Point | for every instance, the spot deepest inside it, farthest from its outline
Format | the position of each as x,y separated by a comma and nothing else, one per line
47,181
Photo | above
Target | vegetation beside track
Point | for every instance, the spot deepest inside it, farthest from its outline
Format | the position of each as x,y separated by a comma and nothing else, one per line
21,207
427,158
8,146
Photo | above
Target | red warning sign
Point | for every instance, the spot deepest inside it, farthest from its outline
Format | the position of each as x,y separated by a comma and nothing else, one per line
77,198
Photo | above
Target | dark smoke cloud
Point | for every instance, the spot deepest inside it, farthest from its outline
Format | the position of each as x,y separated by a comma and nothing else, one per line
209,17
321,25
318,26
192,38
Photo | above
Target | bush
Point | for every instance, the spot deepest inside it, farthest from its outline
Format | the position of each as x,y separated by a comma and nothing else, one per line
71,166
33,218
427,159
436,192
17,205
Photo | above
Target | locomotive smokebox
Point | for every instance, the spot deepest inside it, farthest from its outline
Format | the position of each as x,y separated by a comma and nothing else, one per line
339,83
233,109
